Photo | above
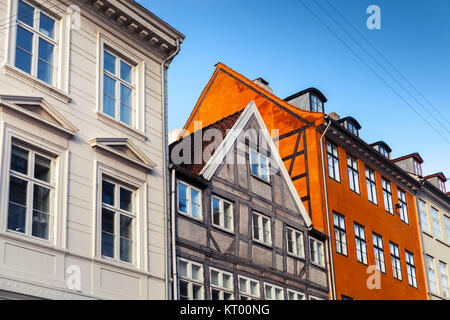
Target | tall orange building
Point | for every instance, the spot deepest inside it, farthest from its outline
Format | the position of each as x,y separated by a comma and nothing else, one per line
352,190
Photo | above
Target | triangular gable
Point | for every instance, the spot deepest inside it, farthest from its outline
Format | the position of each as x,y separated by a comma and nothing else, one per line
227,144
125,149
39,109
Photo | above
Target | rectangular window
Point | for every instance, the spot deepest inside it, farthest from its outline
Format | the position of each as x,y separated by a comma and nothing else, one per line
262,229
353,176
423,215
444,278
379,252
259,165
411,269
272,292
118,88
441,185
222,216
429,261
371,186
221,285
190,283
316,104
339,233
417,168
189,200
316,251
117,221
395,260
447,228
360,241
333,162
31,192
295,295
36,44
387,195
249,289
295,242
436,223
403,208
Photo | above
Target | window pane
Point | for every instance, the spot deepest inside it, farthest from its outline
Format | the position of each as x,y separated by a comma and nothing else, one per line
126,198
24,44
228,218
41,199
216,211
17,204
108,192
109,106
18,191
109,62
42,168
45,72
126,227
125,95
184,291
125,72
126,250
243,285
40,226
25,13
268,292
46,26
19,160
182,198
226,281
182,268
45,69
107,233
195,199
215,294
196,272
254,288
197,292
254,162
125,114
214,277
108,221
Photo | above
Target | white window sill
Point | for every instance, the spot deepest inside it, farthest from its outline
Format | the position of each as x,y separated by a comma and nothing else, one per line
31,241
120,125
230,231
268,245
199,219
37,83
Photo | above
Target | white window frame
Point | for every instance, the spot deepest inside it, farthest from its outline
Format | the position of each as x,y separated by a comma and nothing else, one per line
190,280
435,216
189,201
411,269
417,167
387,195
383,151
360,243
340,234
316,103
221,224
31,182
443,275
261,228
378,249
258,164
246,293
353,174
219,287
447,228
295,245
395,261
313,248
371,186
297,295
441,184
423,214
403,210
431,274
273,289
333,161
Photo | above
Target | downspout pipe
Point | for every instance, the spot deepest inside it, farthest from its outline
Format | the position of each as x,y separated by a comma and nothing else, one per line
173,235
166,162
330,247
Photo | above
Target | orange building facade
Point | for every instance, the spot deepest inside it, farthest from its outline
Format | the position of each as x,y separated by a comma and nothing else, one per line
298,133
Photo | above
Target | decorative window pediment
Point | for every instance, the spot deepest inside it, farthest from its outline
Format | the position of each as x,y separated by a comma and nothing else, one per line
125,149
40,110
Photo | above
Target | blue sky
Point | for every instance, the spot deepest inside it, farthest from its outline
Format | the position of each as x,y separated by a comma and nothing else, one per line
288,46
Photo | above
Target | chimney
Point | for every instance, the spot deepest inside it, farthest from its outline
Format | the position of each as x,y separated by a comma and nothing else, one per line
334,116
263,84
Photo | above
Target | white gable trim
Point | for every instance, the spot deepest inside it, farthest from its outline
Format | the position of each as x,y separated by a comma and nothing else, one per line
219,155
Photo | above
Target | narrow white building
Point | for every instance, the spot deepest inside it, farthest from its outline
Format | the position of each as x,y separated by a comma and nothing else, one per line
83,136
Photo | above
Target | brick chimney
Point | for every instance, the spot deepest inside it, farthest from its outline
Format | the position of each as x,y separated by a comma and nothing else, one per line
263,84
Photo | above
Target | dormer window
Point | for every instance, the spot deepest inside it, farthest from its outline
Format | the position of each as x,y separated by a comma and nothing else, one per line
417,168
383,151
352,128
316,104
441,185
382,148
350,124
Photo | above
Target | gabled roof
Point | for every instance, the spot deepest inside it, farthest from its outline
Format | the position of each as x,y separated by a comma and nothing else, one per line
233,126
39,109
440,175
414,155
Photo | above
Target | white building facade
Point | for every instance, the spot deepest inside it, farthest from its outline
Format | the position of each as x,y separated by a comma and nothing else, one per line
83,129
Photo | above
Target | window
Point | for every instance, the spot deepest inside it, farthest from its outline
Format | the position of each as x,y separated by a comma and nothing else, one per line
35,50
371,186
333,162
316,104
295,242
444,278
272,292
189,200
387,195
417,168
31,192
447,228
360,240
429,261
395,260
316,251
436,223
248,289
190,280
383,151
118,88
262,230
403,208
423,215
222,216
295,295
352,128
259,165
117,221
353,176
221,285
339,234
411,269
379,252
441,185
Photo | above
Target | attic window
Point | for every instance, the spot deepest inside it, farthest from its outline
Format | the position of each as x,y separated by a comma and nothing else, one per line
417,168
352,128
441,185
383,151
316,104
